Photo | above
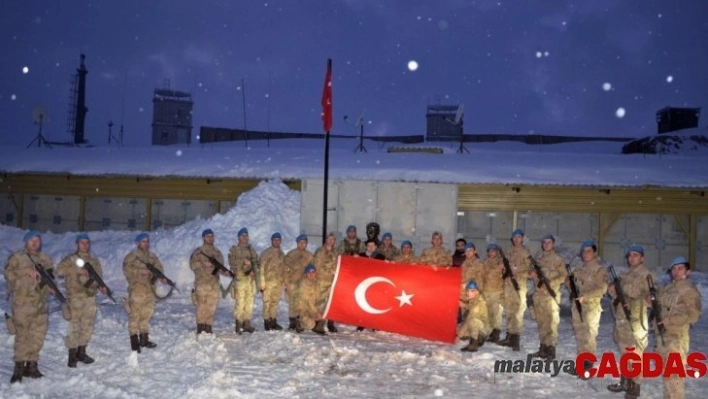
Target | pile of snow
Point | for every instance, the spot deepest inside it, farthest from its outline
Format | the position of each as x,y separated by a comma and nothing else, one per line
679,142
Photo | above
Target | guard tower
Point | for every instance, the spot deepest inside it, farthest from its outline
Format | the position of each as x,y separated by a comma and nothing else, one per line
443,123
171,117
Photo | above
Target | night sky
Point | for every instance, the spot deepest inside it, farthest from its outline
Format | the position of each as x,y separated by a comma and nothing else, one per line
554,67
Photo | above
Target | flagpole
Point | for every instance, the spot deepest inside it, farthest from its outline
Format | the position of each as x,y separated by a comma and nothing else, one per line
327,118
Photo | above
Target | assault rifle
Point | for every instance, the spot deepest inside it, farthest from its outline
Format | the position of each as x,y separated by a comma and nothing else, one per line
47,277
94,276
508,273
574,295
542,279
157,274
255,267
218,266
620,295
656,308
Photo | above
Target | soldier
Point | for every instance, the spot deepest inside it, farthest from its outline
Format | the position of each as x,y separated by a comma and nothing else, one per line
632,333
274,277
475,326
515,301
547,306
436,255
458,257
206,283
325,260
372,251
494,290
407,255
387,249
351,245
472,267
295,262
81,295
30,309
243,262
310,307
591,280
141,294
681,307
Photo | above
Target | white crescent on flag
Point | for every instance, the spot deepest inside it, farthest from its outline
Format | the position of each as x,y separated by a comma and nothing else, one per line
360,294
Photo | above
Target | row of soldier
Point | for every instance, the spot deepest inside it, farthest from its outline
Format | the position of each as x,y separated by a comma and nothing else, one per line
275,273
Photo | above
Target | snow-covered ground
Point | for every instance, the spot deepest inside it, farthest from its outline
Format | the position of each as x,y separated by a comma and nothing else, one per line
585,163
277,364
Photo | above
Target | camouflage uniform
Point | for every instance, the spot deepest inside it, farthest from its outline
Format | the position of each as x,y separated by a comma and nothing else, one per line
547,307
390,253
436,257
515,301
244,288
472,270
591,280
681,308
347,247
206,285
82,300
476,323
493,284
29,306
141,294
635,289
407,259
295,262
308,302
274,278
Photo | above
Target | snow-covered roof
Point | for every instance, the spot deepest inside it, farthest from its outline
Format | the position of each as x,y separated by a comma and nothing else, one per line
572,164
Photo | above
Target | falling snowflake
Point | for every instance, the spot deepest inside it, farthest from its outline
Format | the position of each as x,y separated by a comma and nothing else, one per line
606,86
620,112
412,65
669,79
25,70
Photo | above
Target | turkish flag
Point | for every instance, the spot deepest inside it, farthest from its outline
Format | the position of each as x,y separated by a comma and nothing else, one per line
411,300
327,99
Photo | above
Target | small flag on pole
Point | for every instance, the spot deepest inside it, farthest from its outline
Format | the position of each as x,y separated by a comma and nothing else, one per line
327,99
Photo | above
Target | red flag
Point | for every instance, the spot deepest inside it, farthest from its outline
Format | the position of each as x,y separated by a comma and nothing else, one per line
327,98
405,299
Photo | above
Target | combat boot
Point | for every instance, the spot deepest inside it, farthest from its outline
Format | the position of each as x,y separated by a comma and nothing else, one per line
135,343
298,327
247,327
331,327
293,324
471,347
200,328
319,327
542,352
17,374
515,342
207,329
275,326
267,324
145,341
550,352
72,358
494,336
82,356
620,386
32,370
238,327
505,341
481,339
632,390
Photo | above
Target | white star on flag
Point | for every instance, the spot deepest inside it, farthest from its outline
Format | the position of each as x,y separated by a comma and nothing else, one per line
404,299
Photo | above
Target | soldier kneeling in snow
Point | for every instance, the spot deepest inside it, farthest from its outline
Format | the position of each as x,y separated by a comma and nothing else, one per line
308,304
475,325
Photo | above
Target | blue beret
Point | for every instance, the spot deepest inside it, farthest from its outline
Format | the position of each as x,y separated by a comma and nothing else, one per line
517,232
207,232
30,235
635,248
351,228
275,235
587,243
406,242
301,237
141,237
242,231
492,246
470,245
548,237
387,235
310,268
679,260
82,236
471,285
